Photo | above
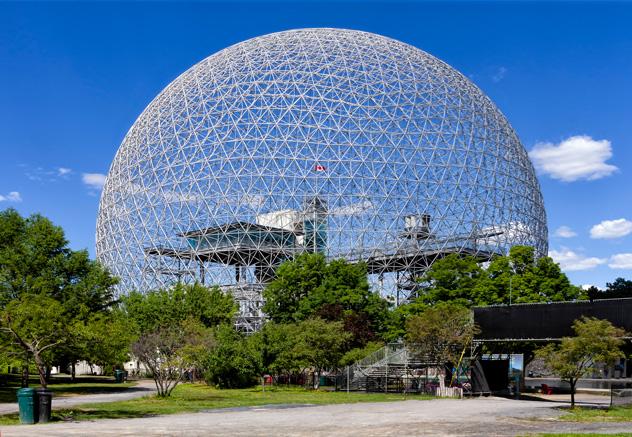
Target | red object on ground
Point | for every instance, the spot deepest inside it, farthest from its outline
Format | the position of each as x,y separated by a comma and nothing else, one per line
546,390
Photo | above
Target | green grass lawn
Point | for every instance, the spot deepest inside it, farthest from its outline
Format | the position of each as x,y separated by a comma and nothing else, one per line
63,386
198,397
616,414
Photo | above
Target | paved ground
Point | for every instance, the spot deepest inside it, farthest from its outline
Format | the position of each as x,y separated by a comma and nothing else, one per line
142,388
470,417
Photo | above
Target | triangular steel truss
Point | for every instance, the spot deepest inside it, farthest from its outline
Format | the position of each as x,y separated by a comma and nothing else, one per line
336,141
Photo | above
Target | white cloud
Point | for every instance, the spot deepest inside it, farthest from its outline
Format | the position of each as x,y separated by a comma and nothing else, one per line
571,261
45,175
611,229
93,180
13,196
587,286
63,171
621,261
499,74
575,158
564,232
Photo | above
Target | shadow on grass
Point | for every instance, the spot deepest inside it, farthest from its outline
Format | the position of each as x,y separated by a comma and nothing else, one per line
80,414
96,390
62,416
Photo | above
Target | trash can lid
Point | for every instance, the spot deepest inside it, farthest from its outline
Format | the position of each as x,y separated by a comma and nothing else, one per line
27,391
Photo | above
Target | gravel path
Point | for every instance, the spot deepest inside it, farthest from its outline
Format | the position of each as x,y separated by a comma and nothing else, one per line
142,388
442,417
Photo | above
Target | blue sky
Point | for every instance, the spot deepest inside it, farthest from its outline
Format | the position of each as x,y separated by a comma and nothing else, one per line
74,77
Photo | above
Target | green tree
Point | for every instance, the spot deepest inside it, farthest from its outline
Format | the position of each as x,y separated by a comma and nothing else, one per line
519,277
595,341
277,344
169,306
320,345
34,324
359,353
107,339
295,280
620,288
170,351
441,332
289,348
235,361
37,265
453,279
309,287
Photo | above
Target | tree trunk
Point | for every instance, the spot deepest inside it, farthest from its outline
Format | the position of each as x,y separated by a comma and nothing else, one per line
41,368
25,375
72,372
49,370
573,382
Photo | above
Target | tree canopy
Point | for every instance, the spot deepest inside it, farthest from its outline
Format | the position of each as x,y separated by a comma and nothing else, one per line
170,306
595,341
441,332
49,294
620,288
309,286
519,277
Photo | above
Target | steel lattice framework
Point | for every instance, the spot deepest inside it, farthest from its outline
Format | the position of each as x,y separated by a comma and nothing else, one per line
335,141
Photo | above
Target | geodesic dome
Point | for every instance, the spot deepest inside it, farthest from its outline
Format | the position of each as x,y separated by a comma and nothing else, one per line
315,140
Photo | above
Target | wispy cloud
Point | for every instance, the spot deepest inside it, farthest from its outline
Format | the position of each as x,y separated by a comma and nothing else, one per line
63,171
564,232
611,229
571,261
13,196
500,74
621,261
94,181
42,174
575,158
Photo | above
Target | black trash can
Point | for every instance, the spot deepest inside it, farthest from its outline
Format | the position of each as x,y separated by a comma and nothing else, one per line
28,405
44,403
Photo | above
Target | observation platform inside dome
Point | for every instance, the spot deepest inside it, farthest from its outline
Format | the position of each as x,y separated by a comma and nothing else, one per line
238,243
246,244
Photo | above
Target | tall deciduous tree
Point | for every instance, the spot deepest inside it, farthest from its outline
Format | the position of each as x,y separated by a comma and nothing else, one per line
179,328
170,351
441,332
36,265
308,287
321,344
595,341
235,361
35,324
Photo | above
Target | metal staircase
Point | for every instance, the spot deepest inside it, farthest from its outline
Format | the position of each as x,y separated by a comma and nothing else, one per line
389,369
